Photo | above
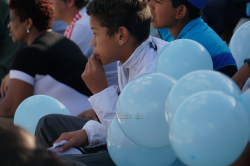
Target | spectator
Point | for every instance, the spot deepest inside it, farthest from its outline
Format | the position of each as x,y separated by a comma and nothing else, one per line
50,65
7,47
74,14
183,20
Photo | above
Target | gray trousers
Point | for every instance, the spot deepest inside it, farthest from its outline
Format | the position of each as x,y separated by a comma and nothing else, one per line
50,127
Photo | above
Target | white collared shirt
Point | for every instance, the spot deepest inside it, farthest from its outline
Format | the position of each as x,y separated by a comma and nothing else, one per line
142,61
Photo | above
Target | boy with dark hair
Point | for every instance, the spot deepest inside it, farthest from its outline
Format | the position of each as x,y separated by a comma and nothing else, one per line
183,20
121,33
73,12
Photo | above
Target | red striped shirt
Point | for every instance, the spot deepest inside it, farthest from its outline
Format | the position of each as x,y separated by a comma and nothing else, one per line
70,28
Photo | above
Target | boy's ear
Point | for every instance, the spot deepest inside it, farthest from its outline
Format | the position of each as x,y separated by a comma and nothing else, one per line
123,35
181,12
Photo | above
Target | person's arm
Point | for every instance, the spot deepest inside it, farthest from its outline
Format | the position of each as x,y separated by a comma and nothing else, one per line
5,85
94,133
17,92
244,159
242,75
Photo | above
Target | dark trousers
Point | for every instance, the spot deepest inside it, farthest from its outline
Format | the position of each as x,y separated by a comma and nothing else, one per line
50,127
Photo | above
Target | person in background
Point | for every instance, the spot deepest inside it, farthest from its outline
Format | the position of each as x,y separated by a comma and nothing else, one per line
7,47
59,26
49,65
242,75
182,18
73,12
19,148
223,15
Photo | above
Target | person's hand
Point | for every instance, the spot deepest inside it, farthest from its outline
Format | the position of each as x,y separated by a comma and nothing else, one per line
5,85
74,138
94,75
90,114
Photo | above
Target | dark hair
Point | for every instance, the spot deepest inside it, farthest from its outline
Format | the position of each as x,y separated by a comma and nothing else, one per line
193,12
79,3
132,14
40,11
15,149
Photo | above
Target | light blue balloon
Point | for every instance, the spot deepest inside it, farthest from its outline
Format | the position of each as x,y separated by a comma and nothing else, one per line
33,108
181,57
195,82
140,110
244,99
210,128
239,44
126,153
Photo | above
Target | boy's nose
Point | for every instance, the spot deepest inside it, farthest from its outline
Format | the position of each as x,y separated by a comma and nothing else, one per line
8,26
92,43
150,5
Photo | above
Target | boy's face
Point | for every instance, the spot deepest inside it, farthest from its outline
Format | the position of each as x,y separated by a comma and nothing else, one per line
105,47
163,13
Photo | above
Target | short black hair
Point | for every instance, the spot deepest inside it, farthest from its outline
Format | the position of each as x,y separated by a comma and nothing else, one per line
132,14
79,3
193,12
40,11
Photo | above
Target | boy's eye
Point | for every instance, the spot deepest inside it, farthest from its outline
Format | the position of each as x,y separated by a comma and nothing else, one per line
158,2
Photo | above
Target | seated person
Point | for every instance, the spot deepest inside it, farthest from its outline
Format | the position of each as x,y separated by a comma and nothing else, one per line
222,16
8,49
243,74
50,65
78,30
183,20
18,148
124,38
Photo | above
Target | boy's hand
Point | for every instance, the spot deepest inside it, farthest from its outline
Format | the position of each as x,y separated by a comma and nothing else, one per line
94,75
74,138
90,114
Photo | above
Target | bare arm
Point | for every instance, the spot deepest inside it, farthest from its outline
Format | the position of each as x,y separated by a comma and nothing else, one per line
242,75
18,91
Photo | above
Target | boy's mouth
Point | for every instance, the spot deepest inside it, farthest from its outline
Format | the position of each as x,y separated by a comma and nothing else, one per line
152,18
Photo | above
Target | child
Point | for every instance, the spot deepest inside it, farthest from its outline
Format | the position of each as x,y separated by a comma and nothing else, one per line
121,33
183,20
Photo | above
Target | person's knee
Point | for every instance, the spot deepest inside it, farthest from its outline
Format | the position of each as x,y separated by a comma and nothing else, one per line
47,120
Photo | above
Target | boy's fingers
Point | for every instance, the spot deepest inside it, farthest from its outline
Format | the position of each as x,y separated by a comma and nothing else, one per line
62,137
67,146
5,90
2,90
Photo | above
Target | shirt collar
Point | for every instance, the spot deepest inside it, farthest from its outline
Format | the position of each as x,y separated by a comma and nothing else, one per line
135,58
83,11
189,26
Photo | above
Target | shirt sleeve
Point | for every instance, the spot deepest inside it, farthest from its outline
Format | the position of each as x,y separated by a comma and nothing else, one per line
104,104
25,64
97,135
